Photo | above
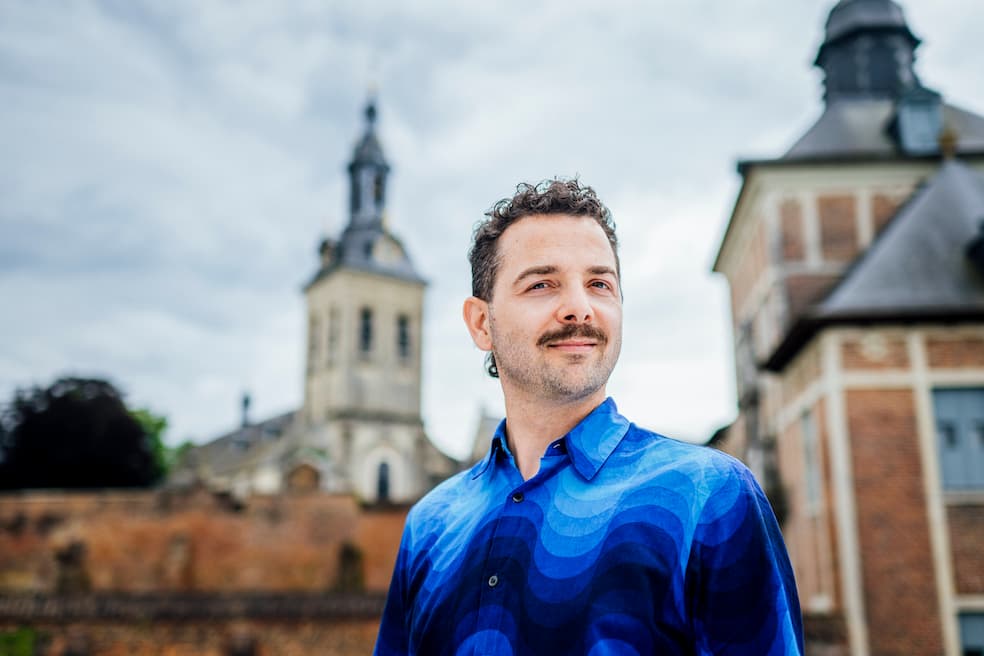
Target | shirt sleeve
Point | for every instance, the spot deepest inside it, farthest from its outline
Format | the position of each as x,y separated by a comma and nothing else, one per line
740,586
393,637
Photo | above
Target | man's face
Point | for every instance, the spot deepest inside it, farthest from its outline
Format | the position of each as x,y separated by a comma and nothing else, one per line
555,318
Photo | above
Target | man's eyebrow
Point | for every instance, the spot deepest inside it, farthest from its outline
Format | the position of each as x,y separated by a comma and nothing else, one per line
542,270
602,270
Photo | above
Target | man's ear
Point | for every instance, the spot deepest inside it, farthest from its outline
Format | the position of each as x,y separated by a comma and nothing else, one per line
476,315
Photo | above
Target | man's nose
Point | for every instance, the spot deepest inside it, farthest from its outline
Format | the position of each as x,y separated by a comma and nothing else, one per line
575,306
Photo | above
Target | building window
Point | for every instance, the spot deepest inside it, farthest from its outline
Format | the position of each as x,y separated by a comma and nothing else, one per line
811,460
972,634
378,189
313,337
403,336
367,187
365,332
383,483
331,347
960,437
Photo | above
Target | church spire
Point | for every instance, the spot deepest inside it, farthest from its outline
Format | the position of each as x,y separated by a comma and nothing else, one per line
868,51
367,176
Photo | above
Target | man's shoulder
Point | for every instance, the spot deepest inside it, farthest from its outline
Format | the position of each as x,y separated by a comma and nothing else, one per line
657,452
444,495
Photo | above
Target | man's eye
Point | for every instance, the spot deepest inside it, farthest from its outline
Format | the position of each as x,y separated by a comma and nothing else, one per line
600,284
539,285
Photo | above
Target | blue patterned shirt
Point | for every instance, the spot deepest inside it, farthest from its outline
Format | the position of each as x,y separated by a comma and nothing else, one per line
625,542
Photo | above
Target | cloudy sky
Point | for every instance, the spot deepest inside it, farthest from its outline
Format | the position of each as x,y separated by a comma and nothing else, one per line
168,169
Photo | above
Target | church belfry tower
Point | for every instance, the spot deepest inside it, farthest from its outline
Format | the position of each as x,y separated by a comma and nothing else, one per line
365,315
868,51
367,176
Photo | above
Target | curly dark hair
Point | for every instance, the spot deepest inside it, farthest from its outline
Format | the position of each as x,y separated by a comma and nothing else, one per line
555,196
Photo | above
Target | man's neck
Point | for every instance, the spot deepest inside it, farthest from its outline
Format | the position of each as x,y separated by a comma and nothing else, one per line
532,424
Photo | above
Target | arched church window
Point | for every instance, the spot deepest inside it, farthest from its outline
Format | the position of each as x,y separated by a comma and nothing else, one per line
365,331
313,338
403,336
332,346
383,483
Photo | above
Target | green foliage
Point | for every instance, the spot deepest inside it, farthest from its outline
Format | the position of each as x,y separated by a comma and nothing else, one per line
153,426
77,433
19,642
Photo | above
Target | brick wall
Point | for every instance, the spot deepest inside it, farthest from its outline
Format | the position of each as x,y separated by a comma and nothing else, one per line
899,589
809,530
959,352
205,638
966,523
791,229
805,289
884,207
875,351
155,540
838,227
751,265
801,373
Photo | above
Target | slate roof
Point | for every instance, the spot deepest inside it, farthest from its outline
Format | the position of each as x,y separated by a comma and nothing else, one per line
850,16
368,151
231,451
852,128
917,268
354,251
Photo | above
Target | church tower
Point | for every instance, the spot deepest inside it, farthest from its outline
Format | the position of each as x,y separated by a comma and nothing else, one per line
363,375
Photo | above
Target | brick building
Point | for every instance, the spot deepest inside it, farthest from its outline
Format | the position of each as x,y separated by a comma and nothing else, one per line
856,267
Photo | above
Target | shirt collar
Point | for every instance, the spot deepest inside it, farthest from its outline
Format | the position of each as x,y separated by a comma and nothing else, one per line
498,446
589,444
593,440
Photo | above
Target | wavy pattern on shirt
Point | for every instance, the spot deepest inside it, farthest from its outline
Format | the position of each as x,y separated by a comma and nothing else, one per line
634,545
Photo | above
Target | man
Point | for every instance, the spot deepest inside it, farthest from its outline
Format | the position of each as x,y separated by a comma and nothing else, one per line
580,533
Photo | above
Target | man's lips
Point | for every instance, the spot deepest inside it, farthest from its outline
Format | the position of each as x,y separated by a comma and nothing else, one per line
572,345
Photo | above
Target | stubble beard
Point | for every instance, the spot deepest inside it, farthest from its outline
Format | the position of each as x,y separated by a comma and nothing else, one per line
567,379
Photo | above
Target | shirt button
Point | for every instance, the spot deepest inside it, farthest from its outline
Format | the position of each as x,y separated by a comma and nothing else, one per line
493,581
517,497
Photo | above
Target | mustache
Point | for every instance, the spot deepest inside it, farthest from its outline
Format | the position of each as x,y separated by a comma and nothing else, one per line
570,331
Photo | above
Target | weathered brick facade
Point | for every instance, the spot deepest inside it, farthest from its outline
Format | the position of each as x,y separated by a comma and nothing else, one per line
160,572
892,522
868,331
152,541
966,522
348,637
838,227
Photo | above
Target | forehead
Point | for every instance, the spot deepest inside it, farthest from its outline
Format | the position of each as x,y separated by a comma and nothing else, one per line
555,239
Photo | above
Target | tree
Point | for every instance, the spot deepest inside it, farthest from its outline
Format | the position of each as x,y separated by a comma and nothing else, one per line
153,427
77,433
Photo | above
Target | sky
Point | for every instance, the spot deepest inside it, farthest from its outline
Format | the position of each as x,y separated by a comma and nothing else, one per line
169,169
